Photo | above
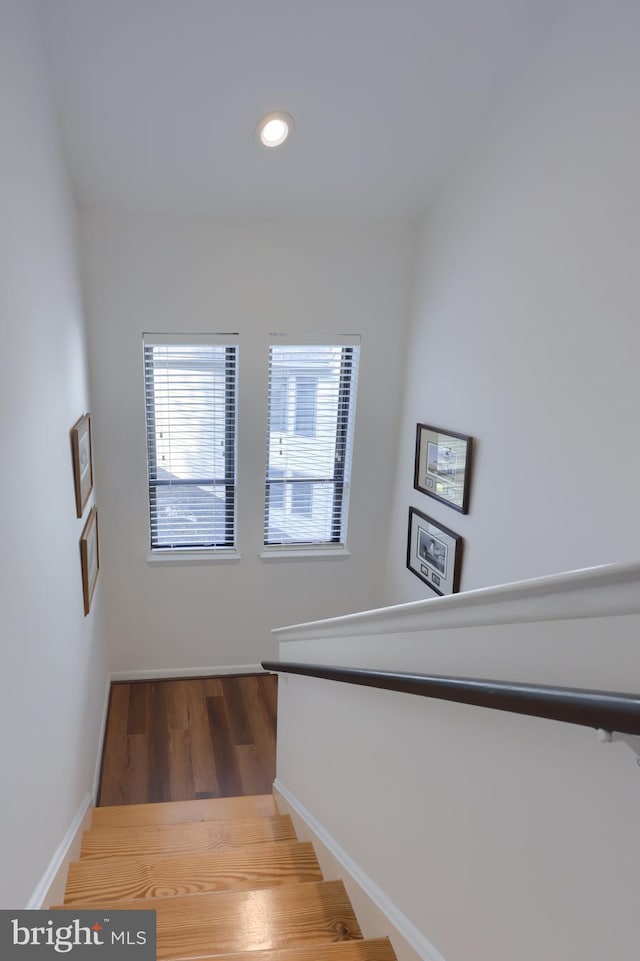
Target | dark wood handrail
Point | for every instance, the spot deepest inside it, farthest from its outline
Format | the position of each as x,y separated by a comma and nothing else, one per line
609,710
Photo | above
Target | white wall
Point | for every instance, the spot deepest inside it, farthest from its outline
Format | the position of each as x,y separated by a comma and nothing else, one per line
52,675
486,835
525,331
146,273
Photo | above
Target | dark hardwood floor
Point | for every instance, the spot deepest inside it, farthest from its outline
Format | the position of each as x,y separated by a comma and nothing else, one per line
186,739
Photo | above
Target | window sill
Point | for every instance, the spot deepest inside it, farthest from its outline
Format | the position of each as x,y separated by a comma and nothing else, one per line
299,554
174,558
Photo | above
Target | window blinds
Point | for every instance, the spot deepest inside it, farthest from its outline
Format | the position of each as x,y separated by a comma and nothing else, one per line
190,396
312,390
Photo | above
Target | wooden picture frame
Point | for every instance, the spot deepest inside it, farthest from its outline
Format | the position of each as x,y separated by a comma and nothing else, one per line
434,553
442,467
90,558
82,461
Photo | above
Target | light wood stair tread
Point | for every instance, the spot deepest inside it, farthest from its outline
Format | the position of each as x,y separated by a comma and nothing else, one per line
178,812
197,836
367,949
259,866
203,925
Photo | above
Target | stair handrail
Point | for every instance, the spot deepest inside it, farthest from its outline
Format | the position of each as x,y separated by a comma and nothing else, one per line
608,711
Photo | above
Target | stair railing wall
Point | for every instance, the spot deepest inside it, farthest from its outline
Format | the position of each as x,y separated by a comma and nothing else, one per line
491,835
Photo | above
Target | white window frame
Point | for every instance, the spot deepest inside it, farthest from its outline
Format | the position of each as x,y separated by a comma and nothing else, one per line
341,478
205,553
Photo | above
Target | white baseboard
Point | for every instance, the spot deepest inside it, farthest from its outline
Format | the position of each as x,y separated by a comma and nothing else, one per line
170,672
377,914
50,889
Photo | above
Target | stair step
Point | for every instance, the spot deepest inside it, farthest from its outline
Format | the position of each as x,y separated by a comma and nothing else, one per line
262,866
203,925
179,812
198,836
371,949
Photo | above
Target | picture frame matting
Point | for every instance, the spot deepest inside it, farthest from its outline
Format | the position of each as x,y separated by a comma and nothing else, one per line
442,468
434,553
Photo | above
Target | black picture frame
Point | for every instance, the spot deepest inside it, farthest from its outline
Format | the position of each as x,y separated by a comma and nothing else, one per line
442,467
434,553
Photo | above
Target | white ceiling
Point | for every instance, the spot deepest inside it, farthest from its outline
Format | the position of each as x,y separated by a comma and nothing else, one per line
158,99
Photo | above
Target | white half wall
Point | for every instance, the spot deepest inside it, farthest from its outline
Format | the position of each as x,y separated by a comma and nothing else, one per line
52,670
151,273
488,835
524,326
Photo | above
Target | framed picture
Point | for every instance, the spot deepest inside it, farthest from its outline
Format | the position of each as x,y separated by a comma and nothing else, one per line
443,466
434,553
90,558
82,464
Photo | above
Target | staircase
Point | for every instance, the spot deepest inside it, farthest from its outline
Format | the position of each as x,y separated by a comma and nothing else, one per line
228,880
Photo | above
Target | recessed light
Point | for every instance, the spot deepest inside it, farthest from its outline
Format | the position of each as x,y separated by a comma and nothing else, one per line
274,129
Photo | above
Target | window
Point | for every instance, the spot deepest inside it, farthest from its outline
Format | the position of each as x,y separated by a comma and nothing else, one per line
302,496
306,393
279,404
312,389
276,491
190,396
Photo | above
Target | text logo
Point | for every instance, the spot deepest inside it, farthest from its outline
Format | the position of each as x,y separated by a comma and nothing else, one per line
82,935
